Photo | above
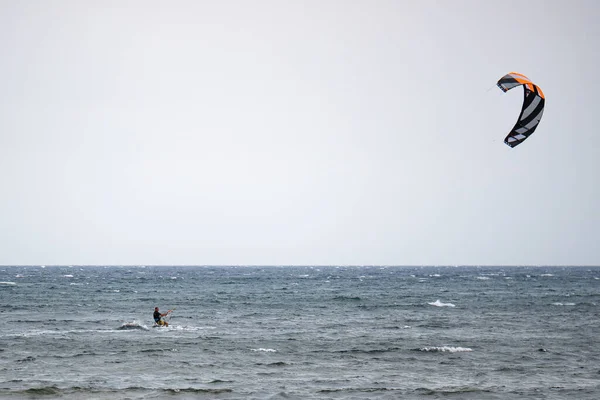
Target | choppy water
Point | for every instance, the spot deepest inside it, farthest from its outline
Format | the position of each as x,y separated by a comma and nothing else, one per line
300,333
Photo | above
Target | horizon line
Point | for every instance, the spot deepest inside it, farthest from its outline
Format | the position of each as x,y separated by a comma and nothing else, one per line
302,265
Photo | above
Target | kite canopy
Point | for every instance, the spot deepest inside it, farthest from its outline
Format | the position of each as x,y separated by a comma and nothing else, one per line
532,110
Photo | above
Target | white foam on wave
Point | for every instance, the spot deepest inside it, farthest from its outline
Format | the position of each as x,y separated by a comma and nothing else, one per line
483,278
39,332
68,276
8,283
186,328
563,304
446,349
61,333
265,350
134,325
438,303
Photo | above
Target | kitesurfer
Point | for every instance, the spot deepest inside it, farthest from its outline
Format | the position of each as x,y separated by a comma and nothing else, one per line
158,317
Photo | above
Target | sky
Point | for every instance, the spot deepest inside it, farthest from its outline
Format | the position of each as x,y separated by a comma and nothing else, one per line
306,132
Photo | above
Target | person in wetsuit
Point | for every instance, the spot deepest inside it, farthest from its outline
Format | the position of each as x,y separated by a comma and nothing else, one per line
158,317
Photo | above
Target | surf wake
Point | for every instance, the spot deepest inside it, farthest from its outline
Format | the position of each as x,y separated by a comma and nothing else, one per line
130,326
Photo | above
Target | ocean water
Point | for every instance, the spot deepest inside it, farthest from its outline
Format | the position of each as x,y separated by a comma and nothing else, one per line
325,332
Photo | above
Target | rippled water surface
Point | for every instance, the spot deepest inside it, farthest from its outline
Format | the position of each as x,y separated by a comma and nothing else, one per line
300,332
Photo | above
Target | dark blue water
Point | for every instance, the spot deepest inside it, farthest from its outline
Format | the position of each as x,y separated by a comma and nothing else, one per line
300,333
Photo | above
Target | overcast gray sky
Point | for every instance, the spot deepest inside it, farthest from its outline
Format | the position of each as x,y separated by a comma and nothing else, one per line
297,132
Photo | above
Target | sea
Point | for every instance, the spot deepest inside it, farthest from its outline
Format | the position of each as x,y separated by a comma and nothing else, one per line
294,332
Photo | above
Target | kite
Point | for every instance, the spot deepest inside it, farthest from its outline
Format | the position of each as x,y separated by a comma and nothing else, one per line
531,111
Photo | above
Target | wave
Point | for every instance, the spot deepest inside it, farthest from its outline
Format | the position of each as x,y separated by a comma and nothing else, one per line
450,391
76,355
444,349
67,332
438,303
274,364
42,391
154,351
372,351
198,390
185,328
358,390
128,326
397,327
8,283
265,350
56,392
214,381
346,298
